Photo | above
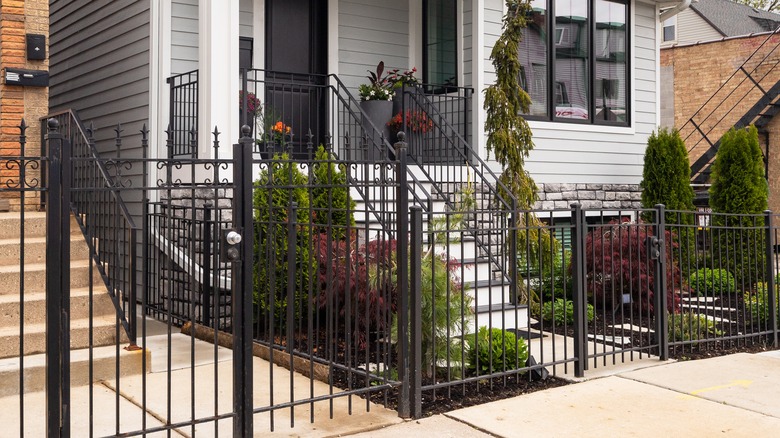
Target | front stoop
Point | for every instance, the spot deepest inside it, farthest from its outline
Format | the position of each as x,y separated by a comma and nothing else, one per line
94,325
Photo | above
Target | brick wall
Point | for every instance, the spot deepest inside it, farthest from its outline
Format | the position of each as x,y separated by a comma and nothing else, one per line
18,18
698,71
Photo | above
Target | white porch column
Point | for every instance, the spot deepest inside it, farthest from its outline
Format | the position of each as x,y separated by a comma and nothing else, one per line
218,76
478,62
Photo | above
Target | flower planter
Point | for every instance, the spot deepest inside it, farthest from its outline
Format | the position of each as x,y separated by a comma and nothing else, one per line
376,115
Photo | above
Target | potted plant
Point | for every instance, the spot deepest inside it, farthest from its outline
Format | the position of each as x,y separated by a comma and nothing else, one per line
376,102
414,124
252,111
404,83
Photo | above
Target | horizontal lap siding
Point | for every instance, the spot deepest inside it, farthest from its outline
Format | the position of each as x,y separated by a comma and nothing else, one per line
467,44
569,153
99,52
371,31
184,32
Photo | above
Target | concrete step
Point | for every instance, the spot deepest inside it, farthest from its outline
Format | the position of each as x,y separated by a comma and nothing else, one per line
35,306
34,224
104,367
488,292
35,250
504,316
104,333
35,277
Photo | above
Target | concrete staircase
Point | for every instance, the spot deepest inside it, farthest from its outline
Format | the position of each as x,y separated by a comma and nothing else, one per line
23,310
481,278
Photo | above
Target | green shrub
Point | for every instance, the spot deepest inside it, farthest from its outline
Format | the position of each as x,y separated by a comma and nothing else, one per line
758,303
739,187
707,281
560,311
278,187
496,350
689,326
666,179
331,204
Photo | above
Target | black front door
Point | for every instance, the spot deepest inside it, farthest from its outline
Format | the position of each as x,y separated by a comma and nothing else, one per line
296,64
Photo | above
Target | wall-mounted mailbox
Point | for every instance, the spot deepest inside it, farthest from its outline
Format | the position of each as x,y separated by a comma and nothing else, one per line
36,47
29,78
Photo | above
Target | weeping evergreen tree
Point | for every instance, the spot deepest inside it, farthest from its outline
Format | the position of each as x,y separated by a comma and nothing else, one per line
509,137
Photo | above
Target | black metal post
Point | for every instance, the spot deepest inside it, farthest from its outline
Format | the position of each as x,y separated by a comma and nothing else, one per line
415,330
242,287
578,284
132,319
402,223
770,274
58,286
291,260
659,284
513,230
207,274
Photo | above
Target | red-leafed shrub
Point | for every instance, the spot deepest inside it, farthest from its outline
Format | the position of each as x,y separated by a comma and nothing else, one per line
617,262
358,282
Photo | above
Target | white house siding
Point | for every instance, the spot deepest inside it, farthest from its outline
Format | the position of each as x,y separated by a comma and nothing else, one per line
371,31
184,32
691,27
467,44
594,154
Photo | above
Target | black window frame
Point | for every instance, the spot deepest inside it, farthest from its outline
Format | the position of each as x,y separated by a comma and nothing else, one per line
441,88
591,80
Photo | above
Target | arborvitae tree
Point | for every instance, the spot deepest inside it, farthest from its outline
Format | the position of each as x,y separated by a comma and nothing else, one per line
739,187
666,177
331,204
509,136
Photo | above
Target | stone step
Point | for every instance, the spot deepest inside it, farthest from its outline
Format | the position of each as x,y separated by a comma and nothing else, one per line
488,292
35,250
104,367
35,306
504,316
34,224
104,333
35,277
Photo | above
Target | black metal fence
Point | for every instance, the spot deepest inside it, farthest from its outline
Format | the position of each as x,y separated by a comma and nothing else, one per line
183,120
332,269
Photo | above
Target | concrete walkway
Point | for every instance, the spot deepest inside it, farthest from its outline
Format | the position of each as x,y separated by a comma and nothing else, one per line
736,395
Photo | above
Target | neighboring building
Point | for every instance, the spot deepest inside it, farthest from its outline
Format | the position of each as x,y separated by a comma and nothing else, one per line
19,20
709,86
111,60
707,20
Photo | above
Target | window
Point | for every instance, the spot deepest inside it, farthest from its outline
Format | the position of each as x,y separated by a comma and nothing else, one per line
586,60
440,48
670,29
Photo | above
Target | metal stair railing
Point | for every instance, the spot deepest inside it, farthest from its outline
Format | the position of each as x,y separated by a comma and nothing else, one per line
753,85
458,165
102,215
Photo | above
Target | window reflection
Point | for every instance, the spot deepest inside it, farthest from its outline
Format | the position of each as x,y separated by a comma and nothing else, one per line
571,59
533,58
610,61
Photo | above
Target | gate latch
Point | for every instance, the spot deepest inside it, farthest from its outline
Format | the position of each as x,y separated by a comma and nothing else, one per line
229,246
654,246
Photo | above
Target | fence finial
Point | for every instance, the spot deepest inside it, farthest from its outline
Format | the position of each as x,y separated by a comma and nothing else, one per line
53,124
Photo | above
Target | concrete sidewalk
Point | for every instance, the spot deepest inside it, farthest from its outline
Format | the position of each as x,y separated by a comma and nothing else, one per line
735,395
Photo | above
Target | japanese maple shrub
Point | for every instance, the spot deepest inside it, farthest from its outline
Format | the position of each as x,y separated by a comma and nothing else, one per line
617,263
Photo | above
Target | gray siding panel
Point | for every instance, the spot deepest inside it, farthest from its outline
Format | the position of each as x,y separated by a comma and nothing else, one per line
371,31
99,54
184,32
184,36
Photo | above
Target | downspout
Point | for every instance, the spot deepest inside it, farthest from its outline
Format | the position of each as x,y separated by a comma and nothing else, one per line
674,11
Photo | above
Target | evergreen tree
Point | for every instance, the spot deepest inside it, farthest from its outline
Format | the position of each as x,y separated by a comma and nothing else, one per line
509,139
666,177
739,188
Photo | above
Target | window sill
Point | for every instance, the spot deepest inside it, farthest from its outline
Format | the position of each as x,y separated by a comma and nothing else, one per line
581,127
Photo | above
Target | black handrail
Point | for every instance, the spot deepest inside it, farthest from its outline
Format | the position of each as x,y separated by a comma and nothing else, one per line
109,230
